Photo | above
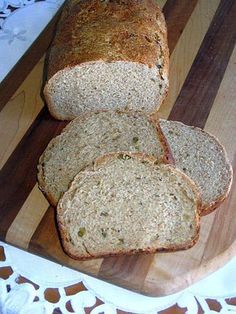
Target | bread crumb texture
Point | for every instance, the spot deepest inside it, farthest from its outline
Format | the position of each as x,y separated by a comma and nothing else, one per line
101,85
201,156
128,204
90,136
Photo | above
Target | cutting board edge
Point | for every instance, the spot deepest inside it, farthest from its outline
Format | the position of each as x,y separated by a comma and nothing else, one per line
149,288
204,270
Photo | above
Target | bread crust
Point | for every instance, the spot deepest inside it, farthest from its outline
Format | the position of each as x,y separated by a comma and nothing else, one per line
214,205
169,249
108,31
64,236
134,31
51,108
167,156
205,210
209,208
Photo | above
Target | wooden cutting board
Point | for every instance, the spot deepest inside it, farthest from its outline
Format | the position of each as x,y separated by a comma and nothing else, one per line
202,92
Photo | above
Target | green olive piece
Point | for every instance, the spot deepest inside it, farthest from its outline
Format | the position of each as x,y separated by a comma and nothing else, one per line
81,232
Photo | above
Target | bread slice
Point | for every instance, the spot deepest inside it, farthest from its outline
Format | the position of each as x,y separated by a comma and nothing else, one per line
125,204
92,135
201,156
108,55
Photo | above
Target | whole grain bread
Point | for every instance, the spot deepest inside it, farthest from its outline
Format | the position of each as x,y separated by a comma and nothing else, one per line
108,55
201,156
127,203
92,135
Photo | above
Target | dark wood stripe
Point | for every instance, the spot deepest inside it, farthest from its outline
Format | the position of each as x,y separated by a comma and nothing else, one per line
18,175
198,93
177,13
20,71
46,230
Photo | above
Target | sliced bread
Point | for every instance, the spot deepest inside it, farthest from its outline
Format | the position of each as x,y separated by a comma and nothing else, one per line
201,156
108,55
92,135
127,203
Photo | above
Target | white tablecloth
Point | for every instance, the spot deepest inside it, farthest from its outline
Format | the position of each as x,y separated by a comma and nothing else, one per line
21,22
221,285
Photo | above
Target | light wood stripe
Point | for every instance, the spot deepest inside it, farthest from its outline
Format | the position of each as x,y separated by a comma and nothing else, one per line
27,219
202,83
222,118
46,242
177,14
186,50
222,123
19,172
19,113
161,3
128,271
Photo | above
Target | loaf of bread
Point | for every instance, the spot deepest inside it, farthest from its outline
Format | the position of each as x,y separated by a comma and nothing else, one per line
127,203
108,55
92,135
201,156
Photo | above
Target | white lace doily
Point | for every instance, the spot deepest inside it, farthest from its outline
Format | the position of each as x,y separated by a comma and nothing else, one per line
21,22
18,298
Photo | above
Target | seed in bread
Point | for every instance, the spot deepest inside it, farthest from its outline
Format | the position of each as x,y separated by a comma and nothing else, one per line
127,203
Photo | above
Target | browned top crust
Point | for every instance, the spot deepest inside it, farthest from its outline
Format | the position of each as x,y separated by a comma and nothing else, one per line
115,30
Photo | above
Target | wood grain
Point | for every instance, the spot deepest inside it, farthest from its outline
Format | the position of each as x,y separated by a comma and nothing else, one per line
198,93
28,218
20,112
21,177
129,271
186,50
177,14
223,112
161,3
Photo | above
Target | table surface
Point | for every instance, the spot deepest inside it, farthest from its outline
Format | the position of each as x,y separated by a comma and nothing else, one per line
214,99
